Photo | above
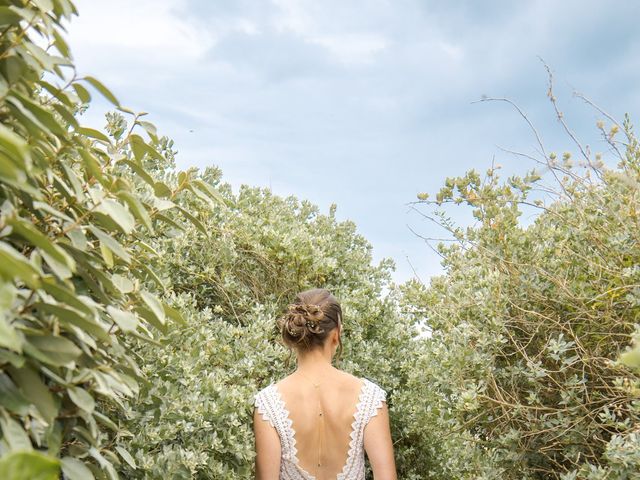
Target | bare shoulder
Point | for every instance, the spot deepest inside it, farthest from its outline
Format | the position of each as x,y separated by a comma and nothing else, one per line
348,381
284,382
349,377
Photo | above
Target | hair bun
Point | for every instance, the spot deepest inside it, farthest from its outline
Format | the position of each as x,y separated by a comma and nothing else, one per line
302,318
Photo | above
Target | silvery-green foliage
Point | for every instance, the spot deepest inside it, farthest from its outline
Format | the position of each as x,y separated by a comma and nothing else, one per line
233,276
75,282
528,324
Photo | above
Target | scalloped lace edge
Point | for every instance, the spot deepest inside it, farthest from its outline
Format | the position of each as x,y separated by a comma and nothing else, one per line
292,435
354,427
259,405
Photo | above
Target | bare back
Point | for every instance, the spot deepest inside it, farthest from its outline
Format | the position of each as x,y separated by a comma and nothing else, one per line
322,418
308,431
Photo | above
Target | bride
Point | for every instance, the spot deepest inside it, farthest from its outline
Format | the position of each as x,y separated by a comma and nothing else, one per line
317,423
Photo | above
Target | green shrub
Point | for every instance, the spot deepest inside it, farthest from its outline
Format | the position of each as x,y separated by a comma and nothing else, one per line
194,416
75,281
528,323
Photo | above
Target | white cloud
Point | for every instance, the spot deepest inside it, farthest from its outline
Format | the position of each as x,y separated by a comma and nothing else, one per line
140,27
350,48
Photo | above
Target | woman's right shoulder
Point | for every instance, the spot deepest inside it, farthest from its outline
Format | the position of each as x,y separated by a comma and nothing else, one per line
263,392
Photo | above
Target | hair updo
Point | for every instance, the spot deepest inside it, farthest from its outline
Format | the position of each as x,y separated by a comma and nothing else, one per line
309,320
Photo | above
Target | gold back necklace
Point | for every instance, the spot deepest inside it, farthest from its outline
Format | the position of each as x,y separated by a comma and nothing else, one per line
319,417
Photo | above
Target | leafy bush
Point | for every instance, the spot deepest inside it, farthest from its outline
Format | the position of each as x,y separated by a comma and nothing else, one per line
194,414
528,323
75,282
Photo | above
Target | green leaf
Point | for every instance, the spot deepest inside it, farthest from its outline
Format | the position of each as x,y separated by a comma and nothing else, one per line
123,283
75,182
66,114
52,211
154,305
8,295
107,255
127,321
9,336
137,145
162,189
106,93
9,17
173,314
161,204
11,398
74,469
53,438
82,399
92,164
90,132
83,93
69,316
150,317
141,172
138,209
168,221
197,223
45,117
126,456
50,349
209,190
11,358
150,128
29,465
104,463
66,295
112,243
13,265
15,148
148,272
118,213
27,231
10,172
61,44
631,358
44,5
44,59
60,270
106,421
13,433
33,387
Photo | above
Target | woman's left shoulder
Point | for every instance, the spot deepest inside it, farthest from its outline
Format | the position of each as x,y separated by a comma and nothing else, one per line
376,388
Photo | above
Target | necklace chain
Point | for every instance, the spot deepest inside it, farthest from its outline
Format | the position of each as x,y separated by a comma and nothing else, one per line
316,386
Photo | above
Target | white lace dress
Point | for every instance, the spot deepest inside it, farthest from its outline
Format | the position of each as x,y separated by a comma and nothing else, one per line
270,404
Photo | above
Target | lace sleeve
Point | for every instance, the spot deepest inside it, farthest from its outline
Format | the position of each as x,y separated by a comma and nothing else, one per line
376,397
264,406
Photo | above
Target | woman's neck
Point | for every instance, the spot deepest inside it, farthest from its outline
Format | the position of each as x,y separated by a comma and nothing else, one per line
315,362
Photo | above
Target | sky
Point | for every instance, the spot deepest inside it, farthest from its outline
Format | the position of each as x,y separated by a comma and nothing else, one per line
363,104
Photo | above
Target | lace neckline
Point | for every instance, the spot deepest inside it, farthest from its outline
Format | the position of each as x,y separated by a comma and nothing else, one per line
352,443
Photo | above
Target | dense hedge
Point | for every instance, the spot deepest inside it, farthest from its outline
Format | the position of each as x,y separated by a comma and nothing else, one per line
193,417
529,323
75,282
